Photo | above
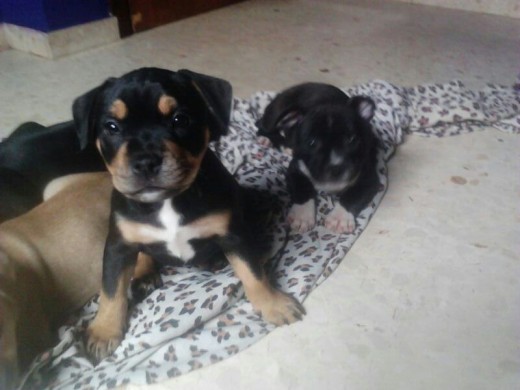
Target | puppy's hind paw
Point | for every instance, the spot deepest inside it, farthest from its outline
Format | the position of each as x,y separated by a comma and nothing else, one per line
302,217
340,220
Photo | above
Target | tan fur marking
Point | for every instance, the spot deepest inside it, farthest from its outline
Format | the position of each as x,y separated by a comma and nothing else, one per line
135,232
107,330
144,266
274,305
198,158
119,109
179,153
257,290
167,104
98,146
193,161
112,310
179,157
175,150
205,227
211,225
119,164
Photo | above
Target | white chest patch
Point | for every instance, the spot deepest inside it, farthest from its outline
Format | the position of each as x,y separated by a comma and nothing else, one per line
327,186
172,234
175,236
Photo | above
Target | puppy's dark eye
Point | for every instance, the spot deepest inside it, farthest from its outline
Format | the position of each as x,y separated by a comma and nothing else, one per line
312,142
112,127
181,120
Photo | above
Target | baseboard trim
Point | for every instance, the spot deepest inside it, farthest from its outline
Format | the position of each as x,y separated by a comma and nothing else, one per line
509,8
63,42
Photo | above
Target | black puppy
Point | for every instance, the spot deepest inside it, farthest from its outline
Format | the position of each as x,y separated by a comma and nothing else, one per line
333,148
173,199
32,156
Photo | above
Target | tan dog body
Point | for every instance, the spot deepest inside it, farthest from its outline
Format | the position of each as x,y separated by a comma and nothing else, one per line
50,265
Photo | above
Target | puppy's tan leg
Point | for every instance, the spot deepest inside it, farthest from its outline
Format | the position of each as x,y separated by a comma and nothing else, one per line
107,330
144,266
274,305
146,278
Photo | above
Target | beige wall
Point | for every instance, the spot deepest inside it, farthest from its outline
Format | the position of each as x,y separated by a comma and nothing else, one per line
498,7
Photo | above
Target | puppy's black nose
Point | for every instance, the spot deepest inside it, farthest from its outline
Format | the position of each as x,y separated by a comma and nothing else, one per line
146,165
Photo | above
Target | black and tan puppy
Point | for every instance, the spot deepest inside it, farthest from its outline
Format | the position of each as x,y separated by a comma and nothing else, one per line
333,150
50,265
172,198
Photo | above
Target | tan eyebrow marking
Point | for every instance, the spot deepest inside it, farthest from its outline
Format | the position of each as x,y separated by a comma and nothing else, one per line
119,109
167,104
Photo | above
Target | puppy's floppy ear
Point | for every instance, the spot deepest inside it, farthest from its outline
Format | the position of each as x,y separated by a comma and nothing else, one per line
289,120
274,121
278,126
83,110
364,106
218,96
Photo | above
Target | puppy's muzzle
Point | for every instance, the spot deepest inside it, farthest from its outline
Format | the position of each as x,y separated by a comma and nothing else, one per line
146,165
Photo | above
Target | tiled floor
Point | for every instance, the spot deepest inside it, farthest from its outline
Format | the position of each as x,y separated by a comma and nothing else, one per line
429,297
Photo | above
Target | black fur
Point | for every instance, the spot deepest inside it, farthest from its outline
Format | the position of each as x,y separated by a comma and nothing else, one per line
32,156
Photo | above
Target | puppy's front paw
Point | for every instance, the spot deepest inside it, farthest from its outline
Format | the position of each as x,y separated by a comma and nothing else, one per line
280,309
340,220
102,340
264,141
287,151
302,217
142,287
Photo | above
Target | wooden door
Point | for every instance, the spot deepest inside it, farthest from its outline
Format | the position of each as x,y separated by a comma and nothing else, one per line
140,15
